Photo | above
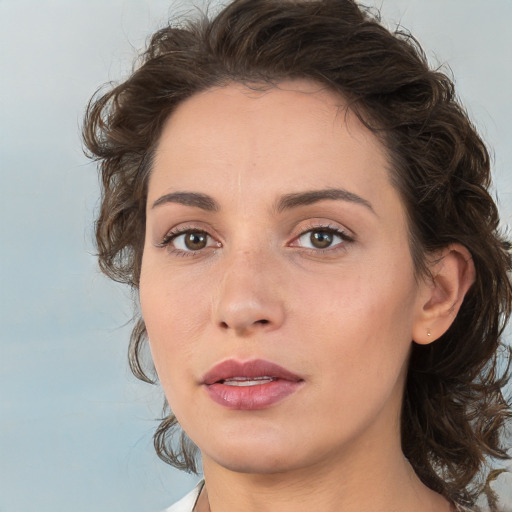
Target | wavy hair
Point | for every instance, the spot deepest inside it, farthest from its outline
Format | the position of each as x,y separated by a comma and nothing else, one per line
454,411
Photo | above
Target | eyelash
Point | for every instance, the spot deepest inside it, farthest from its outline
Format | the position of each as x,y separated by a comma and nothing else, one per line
327,228
175,233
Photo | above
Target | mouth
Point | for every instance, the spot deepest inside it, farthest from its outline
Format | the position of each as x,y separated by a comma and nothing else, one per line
249,373
250,385
246,381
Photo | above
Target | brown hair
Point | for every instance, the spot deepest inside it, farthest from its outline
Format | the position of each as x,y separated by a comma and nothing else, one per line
454,412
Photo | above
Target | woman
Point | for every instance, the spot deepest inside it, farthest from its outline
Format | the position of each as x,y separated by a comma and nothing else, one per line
302,207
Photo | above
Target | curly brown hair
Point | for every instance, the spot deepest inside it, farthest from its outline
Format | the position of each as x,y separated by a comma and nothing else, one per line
454,412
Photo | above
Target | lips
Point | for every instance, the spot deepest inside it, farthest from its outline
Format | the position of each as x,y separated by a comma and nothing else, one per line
250,385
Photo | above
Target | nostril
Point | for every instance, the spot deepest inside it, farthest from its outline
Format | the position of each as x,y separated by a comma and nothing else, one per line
263,321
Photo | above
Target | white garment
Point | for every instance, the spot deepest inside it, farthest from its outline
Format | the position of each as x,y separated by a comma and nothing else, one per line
188,502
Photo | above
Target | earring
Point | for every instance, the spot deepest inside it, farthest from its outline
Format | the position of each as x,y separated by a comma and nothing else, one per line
429,333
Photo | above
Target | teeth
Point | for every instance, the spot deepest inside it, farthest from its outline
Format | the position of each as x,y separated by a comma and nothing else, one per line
242,381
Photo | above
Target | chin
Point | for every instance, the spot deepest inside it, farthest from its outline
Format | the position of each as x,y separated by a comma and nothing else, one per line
255,463
266,455
260,467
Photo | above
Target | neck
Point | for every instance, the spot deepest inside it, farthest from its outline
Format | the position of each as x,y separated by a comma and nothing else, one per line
354,486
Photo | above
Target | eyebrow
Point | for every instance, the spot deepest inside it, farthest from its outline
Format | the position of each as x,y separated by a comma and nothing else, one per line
295,200
286,202
195,199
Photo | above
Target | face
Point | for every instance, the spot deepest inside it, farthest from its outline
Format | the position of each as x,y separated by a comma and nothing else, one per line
277,283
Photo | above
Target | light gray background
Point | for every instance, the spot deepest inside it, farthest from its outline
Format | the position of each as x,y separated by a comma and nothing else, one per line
75,426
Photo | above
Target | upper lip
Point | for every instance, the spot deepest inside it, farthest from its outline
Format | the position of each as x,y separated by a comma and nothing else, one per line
247,369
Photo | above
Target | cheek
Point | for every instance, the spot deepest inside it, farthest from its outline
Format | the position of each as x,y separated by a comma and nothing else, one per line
365,349
366,317
175,314
364,298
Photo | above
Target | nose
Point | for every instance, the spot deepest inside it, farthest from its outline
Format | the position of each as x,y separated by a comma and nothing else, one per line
249,299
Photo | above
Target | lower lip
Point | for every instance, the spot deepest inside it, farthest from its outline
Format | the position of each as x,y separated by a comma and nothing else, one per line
251,398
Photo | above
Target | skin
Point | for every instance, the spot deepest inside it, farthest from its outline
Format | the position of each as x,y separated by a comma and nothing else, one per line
342,318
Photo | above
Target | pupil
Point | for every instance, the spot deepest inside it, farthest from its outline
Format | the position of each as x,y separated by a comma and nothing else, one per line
321,239
195,241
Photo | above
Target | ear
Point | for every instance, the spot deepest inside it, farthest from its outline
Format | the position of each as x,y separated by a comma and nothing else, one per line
452,273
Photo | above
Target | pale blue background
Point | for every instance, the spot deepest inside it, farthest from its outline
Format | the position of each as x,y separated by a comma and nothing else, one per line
75,426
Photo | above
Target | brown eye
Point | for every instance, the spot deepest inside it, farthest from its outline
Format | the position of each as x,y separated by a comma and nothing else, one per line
321,239
189,241
195,240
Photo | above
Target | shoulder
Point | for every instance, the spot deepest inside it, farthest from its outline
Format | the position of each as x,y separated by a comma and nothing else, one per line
187,503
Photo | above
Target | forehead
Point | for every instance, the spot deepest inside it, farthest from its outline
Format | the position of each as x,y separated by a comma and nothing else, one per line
286,112
295,136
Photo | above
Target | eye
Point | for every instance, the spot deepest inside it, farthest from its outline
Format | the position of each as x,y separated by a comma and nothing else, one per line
188,241
191,241
321,238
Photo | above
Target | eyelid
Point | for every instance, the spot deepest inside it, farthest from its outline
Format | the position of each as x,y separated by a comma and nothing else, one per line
300,230
345,235
182,229
322,224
